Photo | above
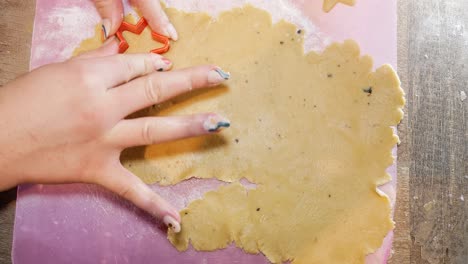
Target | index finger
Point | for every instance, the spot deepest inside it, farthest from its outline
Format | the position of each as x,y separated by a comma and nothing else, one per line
156,17
160,86
111,71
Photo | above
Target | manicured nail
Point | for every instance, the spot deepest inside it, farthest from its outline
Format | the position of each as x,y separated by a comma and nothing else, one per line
217,76
161,64
171,223
172,33
108,41
105,24
215,123
167,61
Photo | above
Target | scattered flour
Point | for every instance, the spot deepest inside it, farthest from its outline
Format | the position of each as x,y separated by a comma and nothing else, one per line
280,9
65,25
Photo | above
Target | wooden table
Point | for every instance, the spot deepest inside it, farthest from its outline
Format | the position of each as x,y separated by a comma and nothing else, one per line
16,24
433,157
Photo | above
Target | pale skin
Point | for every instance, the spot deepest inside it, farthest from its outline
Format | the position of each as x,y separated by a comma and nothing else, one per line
65,122
111,12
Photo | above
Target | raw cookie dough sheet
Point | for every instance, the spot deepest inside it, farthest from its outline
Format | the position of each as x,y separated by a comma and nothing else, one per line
85,223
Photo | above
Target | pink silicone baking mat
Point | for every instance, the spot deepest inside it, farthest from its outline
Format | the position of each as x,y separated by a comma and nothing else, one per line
80,223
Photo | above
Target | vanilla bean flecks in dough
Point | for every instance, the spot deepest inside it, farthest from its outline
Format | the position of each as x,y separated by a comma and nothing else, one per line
312,131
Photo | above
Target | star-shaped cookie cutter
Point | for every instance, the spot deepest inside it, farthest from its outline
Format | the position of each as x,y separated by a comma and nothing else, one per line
137,29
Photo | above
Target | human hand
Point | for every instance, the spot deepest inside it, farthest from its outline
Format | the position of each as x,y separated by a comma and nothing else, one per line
64,122
111,12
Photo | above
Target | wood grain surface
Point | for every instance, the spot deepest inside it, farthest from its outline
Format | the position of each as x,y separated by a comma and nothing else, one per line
431,213
16,24
433,156
402,242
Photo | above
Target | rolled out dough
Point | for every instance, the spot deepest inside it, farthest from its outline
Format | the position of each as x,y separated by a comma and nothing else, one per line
312,131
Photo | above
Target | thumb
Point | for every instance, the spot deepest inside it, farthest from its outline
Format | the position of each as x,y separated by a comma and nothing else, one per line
126,184
156,17
111,12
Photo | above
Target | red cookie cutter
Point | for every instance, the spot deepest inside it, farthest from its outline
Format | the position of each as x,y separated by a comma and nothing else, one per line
137,29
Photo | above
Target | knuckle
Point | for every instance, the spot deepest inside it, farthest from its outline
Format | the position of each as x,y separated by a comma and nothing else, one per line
153,89
82,74
189,79
148,63
89,114
189,82
147,133
128,67
90,121
91,118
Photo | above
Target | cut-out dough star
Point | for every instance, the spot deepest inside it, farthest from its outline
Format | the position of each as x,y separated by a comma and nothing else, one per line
329,4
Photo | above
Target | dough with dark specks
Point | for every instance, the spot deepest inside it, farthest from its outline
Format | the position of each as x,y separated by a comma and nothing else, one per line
313,131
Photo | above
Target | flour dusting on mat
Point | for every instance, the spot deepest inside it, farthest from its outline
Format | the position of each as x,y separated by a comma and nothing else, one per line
65,25
63,28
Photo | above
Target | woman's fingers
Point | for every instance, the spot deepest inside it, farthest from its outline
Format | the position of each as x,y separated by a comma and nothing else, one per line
153,130
124,183
111,12
158,87
156,17
114,70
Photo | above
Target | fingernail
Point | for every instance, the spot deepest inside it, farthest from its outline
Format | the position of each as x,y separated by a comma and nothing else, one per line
105,24
171,223
171,31
215,123
217,76
161,64
108,41
167,61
